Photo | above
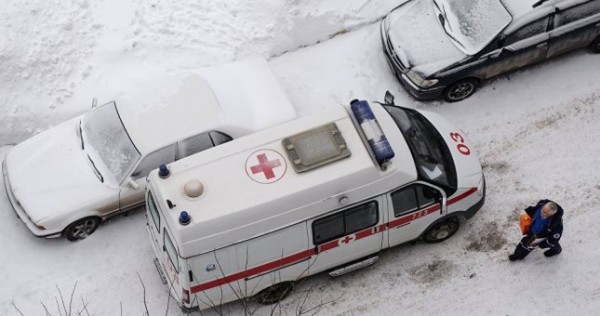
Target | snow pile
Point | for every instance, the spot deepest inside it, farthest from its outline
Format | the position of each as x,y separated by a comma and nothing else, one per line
536,135
57,55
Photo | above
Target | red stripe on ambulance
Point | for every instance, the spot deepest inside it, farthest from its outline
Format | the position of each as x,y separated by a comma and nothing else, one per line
300,256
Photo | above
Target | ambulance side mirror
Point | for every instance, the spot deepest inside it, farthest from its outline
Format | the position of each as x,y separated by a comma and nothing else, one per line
389,98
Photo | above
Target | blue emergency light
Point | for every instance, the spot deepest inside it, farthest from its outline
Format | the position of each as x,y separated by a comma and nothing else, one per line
368,123
163,171
184,218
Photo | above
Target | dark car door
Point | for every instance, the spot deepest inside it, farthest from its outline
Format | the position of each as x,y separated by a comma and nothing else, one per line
524,46
574,27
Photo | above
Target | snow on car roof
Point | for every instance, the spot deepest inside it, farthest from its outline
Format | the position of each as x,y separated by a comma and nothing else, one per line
236,98
519,8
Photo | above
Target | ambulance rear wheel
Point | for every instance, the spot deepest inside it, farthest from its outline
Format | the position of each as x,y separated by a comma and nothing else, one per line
274,293
442,230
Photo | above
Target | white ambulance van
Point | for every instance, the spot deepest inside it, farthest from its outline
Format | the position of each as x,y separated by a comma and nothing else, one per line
328,192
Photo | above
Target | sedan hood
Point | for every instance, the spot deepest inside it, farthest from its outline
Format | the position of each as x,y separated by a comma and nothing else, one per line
50,175
419,40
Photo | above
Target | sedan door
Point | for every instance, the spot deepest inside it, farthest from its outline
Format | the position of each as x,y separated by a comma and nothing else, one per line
525,46
574,27
132,195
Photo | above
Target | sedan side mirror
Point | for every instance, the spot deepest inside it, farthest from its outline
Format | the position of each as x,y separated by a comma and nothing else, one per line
132,184
389,98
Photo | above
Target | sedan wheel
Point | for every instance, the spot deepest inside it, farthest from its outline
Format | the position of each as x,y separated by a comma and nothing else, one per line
460,90
81,228
596,45
441,231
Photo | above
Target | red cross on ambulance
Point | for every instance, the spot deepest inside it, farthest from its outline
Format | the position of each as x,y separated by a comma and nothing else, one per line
266,166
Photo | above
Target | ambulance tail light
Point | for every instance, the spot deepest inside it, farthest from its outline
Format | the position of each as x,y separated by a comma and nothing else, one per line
368,123
185,296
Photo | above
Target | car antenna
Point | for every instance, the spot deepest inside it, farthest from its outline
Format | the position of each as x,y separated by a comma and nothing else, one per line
94,102
539,3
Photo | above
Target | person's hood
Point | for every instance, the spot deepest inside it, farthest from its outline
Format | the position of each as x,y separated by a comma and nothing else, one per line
51,175
419,40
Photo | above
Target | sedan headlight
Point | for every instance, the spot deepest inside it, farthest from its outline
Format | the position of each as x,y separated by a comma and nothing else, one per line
420,81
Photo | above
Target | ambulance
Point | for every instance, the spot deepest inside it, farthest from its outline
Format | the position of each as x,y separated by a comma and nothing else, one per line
249,218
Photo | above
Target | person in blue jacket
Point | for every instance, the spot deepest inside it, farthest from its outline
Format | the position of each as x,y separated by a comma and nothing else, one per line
545,231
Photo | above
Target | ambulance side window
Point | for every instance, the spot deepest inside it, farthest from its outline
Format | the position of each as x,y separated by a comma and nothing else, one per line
346,222
154,211
414,197
405,201
171,251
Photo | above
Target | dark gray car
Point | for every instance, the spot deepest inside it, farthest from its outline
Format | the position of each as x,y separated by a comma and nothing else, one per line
446,48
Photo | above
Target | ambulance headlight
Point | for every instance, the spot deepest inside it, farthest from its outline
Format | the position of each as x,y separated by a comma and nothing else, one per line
481,186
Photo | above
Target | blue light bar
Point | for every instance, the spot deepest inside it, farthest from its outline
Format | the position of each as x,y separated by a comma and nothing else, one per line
368,123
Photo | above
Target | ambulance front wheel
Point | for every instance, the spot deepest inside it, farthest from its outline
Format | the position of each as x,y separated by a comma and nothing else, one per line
442,230
274,293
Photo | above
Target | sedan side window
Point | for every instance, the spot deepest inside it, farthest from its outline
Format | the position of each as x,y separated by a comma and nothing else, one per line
153,160
527,31
577,13
198,143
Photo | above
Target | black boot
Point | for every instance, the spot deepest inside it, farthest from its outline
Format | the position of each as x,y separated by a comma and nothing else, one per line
550,253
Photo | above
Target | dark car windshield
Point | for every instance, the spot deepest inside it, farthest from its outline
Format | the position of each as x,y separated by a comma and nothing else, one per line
429,150
472,24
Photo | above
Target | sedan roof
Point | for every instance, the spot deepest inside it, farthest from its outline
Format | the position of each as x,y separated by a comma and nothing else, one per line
236,98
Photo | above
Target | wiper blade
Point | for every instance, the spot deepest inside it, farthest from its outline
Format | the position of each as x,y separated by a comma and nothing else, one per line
81,136
96,171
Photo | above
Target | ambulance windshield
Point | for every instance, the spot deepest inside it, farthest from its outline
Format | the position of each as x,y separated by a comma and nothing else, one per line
431,154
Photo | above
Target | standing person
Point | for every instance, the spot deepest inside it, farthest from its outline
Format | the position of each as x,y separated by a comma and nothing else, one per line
545,230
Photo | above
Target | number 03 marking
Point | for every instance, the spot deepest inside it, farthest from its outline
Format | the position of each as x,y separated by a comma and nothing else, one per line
462,148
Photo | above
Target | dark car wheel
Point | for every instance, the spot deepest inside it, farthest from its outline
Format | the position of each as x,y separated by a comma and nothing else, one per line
460,90
274,293
442,230
596,45
82,228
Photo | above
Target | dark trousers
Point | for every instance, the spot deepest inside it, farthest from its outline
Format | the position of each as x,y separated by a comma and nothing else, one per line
523,248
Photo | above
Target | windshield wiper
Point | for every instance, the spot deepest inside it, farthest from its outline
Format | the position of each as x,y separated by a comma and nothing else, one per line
96,171
81,136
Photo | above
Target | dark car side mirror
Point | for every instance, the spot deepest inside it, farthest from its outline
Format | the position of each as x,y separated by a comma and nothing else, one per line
389,98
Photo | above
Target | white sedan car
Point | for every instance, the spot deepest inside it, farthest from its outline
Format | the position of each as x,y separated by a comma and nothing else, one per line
68,179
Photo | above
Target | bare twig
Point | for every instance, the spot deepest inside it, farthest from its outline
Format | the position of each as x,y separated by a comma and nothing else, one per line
144,292
71,298
46,309
16,308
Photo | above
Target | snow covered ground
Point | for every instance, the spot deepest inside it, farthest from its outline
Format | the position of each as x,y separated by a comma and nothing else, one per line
536,131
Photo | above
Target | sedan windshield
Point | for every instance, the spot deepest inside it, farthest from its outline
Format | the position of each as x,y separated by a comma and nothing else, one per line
472,24
107,141
429,150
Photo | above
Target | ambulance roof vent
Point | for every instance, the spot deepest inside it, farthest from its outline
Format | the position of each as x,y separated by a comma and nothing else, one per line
193,188
316,147
382,150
